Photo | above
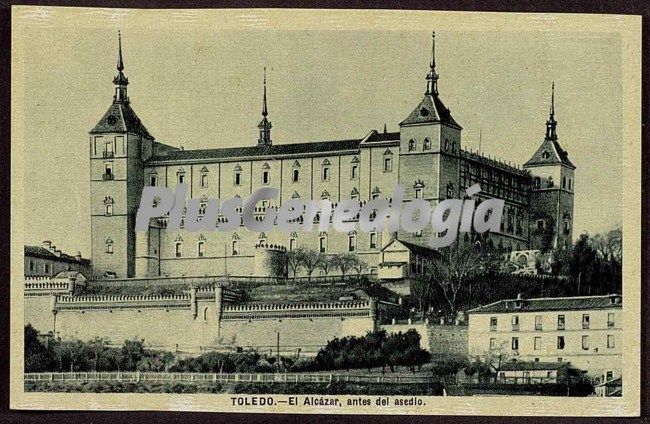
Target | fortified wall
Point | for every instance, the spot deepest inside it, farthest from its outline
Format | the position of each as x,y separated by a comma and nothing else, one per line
203,318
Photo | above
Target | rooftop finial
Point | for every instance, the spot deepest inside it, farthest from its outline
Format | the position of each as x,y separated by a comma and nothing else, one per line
120,63
551,124
432,77
265,111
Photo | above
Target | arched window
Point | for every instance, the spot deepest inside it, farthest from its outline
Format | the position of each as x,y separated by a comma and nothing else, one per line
237,175
550,182
109,245
325,170
450,190
235,245
205,314
563,182
293,241
180,175
179,247
262,238
354,194
412,145
545,154
375,193
295,172
388,161
354,168
427,144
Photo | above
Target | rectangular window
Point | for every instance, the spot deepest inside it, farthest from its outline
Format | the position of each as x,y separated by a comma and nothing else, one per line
493,323
181,178
373,240
354,172
292,244
538,323
47,268
611,319
538,343
201,249
296,175
610,375
235,248
31,265
515,323
418,193
237,180
322,244
108,168
325,175
585,342
560,342
515,343
611,341
540,224
388,165
493,343
109,209
352,243
109,248
119,141
265,177
152,181
179,250
585,321
204,180
560,322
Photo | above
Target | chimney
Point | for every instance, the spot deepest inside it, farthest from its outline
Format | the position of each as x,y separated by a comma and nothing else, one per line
47,244
56,251
78,256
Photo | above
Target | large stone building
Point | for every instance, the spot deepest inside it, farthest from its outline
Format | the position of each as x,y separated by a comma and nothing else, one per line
426,157
585,331
48,261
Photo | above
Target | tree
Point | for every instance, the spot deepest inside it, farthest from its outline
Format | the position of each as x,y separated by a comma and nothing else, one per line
344,262
325,264
293,260
609,245
495,357
276,264
455,266
358,265
310,260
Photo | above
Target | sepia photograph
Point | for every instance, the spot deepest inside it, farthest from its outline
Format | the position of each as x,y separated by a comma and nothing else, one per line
325,211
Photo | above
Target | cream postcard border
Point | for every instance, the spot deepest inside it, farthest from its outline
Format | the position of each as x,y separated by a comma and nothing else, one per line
629,28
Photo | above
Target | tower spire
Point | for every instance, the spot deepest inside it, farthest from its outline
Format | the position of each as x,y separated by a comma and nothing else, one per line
432,77
551,124
120,80
264,125
120,62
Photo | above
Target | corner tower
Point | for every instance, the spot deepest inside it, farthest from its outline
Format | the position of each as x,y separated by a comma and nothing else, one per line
119,144
553,189
429,150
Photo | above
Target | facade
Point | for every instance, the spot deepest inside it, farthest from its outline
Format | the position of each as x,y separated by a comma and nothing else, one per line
517,372
425,156
48,261
585,331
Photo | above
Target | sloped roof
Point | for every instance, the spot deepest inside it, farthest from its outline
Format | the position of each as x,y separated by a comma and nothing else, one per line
120,117
43,253
431,109
532,366
258,150
550,304
555,155
415,248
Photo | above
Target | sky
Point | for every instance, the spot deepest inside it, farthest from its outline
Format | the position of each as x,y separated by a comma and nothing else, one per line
202,88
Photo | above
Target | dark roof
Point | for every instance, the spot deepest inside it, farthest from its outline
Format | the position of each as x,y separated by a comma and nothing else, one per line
551,304
259,150
556,155
415,248
120,117
376,137
431,109
43,253
532,366
611,383
392,263
493,163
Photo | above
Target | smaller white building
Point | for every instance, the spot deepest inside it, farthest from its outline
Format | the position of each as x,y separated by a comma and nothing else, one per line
585,331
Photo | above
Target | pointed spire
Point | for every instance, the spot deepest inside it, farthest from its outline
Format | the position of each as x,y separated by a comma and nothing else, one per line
551,124
120,62
265,111
264,125
432,77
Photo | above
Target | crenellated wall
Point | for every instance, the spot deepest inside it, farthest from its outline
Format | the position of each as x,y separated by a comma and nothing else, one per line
198,319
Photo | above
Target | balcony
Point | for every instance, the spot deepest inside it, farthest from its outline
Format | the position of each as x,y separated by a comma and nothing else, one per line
108,177
108,154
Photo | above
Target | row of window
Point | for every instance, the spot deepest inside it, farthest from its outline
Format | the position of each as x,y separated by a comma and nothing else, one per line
32,267
561,322
293,244
266,173
426,145
549,183
560,345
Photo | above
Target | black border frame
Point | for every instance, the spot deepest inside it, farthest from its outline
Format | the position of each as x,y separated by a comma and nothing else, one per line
624,7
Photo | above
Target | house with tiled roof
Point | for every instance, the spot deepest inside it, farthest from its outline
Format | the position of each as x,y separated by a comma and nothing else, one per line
583,330
425,156
48,261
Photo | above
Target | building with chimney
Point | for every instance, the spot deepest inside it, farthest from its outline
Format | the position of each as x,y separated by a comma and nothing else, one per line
48,261
425,156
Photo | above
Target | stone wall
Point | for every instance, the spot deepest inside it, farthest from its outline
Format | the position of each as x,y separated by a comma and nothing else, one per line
442,341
